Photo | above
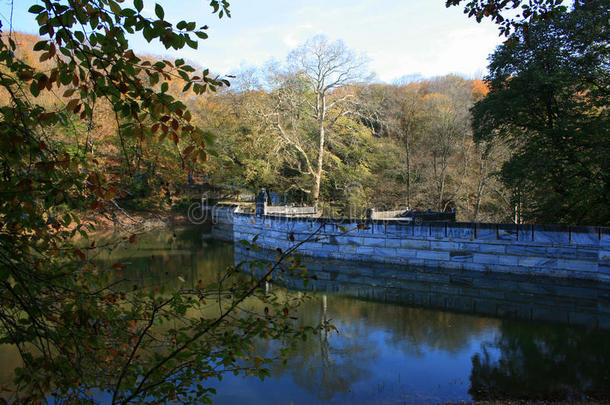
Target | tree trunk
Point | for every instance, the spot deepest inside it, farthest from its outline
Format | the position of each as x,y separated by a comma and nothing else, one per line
480,187
408,171
318,175
321,113
479,196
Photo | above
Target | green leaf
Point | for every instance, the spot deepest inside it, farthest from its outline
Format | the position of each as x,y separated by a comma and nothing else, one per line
164,87
35,9
190,42
138,5
40,45
34,89
159,11
116,9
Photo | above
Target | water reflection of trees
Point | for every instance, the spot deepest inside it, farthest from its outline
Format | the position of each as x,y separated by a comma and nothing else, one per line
531,361
170,260
413,329
330,363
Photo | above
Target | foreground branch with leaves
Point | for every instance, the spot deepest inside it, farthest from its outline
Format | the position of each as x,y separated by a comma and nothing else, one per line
76,325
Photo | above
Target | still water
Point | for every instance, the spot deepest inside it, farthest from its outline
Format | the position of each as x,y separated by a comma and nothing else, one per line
388,353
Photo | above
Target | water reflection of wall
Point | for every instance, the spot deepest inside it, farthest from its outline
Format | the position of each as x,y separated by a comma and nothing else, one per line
577,302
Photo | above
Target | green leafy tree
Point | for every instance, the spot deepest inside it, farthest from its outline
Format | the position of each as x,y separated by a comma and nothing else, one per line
74,324
512,15
548,97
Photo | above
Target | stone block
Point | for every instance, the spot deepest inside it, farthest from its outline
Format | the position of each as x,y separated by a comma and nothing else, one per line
534,261
415,244
365,250
433,255
461,256
509,260
484,258
382,254
572,252
393,242
350,240
277,235
406,253
576,265
497,248
444,245
526,250
373,241
472,246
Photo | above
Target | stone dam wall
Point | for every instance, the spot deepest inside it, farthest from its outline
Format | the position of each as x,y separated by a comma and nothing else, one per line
537,250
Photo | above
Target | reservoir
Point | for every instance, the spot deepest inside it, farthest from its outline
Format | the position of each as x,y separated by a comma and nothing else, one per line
386,350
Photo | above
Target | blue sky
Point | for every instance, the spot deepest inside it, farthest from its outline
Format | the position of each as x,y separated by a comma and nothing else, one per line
401,37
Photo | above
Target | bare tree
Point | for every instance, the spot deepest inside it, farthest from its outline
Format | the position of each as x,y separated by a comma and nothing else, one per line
326,67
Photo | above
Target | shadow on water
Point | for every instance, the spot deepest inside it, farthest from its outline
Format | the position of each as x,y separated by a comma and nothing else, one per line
544,362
